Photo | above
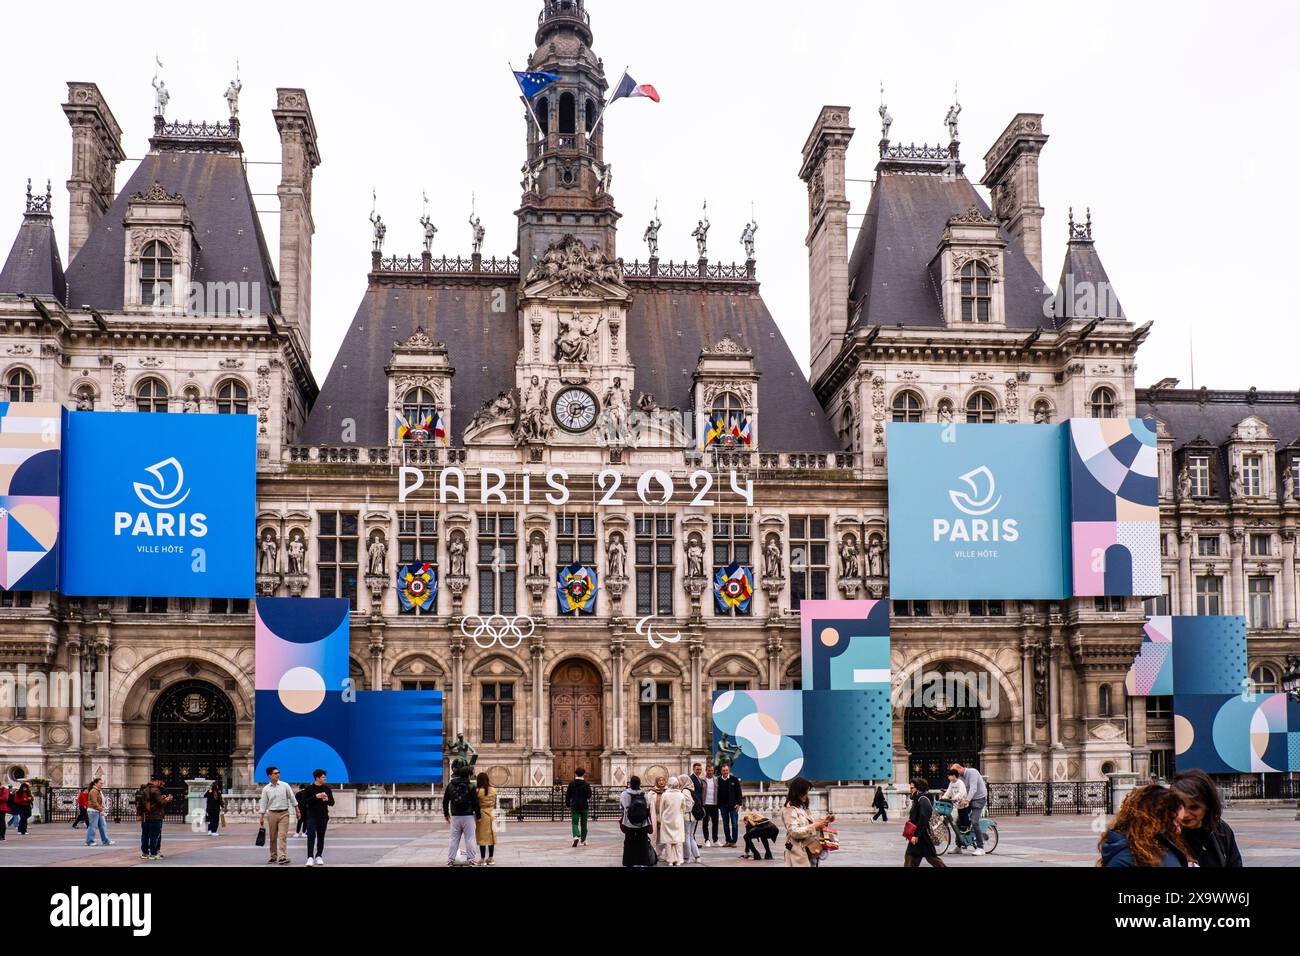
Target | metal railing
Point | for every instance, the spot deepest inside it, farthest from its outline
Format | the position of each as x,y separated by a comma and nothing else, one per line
119,804
1020,799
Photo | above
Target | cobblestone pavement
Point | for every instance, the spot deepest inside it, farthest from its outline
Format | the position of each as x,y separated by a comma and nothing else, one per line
1268,837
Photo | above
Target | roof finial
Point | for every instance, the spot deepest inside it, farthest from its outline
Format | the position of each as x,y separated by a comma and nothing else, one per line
886,120
1081,232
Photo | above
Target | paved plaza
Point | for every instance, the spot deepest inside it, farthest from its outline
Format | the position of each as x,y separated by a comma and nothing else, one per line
1268,837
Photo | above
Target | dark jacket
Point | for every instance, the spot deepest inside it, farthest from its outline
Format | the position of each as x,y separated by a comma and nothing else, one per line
578,796
471,795
317,808
1214,847
697,787
879,800
1115,852
729,792
215,801
919,815
155,804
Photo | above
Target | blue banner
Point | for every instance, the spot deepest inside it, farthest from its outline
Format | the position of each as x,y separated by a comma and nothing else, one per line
158,505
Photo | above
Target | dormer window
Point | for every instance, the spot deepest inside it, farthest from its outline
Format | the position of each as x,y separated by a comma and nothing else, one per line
981,409
976,292
1198,470
1252,475
232,398
728,422
419,410
151,396
156,274
22,386
1102,404
907,407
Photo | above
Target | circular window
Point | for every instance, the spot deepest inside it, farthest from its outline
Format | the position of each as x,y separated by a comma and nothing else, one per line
17,773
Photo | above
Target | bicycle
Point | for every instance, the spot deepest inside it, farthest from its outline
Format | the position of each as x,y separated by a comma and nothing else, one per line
943,830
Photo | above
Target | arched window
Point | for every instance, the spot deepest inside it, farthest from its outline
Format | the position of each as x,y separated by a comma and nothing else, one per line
1264,679
730,414
1102,404
976,295
568,119
1103,700
232,398
22,386
907,407
544,114
591,115
156,274
419,411
981,409
151,396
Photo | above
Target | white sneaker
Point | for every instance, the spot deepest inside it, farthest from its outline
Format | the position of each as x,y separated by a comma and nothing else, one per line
979,851
310,861
320,861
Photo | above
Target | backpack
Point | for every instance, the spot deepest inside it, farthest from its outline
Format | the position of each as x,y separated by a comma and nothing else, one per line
142,801
458,800
638,809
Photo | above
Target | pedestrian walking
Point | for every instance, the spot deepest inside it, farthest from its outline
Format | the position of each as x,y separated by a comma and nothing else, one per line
760,828
300,799
577,800
82,805
316,800
460,808
5,809
730,799
696,779
1145,832
277,802
485,829
977,798
803,832
635,824
22,803
96,819
674,811
214,806
881,805
1205,833
155,809
657,831
920,845
709,797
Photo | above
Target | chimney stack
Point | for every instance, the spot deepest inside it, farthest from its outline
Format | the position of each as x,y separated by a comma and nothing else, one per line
1011,174
298,157
828,235
96,151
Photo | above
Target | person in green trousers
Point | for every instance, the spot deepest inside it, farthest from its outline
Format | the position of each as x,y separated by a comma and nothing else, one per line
577,800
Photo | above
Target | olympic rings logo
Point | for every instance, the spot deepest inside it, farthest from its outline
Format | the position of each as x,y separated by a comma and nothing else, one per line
499,628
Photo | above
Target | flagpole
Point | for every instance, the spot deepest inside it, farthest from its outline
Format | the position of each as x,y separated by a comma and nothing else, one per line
604,106
528,105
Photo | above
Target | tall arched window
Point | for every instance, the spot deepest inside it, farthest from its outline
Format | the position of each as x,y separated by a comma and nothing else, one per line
981,409
1264,679
544,114
151,396
417,406
907,407
568,110
232,398
730,413
22,386
156,274
1103,700
591,114
976,294
1102,404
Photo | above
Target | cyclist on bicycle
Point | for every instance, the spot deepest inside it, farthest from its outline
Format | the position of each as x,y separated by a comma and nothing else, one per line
956,793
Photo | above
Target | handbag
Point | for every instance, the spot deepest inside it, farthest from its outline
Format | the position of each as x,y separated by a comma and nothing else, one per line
261,837
909,830
222,824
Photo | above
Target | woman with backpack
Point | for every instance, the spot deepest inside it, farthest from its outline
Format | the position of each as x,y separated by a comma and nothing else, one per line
636,826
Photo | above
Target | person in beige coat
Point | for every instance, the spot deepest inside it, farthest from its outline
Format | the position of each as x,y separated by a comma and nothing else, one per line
803,833
674,810
485,829
655,795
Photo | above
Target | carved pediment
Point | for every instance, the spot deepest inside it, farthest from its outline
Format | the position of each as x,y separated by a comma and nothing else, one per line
158,193
728,346
570,268
1251,429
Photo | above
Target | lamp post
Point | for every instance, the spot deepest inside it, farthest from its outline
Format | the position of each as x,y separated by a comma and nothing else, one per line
1291,685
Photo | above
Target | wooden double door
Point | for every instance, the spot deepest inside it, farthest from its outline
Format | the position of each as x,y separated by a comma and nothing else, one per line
577,720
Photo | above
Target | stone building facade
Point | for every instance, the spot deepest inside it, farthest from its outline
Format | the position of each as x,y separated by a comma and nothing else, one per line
574,384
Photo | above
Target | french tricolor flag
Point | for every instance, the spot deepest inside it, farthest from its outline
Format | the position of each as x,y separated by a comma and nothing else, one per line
630,87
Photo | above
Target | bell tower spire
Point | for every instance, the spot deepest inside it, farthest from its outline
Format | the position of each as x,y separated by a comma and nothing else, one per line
566,182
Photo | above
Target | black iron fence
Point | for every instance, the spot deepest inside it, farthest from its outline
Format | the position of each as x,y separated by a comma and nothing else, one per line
1016,799
119,804
547,803
1271,786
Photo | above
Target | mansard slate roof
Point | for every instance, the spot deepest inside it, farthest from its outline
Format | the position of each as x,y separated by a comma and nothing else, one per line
1191,416
889,271
1085,289
220,204
34,266
666,330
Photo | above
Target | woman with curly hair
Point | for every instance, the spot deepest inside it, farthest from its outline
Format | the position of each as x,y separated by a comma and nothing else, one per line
1145,832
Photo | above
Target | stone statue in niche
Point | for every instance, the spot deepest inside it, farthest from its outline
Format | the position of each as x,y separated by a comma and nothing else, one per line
191,404
297,550
1234,483
695,557
850,566
1041,413
456,555
772,557
1185,482
577,338
945,412
616,556
537,555
376,556
268,553
876,557
1288,484
533,423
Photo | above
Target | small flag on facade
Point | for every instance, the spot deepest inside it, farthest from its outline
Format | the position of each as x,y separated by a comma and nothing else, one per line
630,87
533,83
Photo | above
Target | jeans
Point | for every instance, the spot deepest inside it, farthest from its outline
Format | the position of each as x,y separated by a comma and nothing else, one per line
730,821
316,834
579,825
710,820
151,837
692,849
98,824
463,828
976,811
23,817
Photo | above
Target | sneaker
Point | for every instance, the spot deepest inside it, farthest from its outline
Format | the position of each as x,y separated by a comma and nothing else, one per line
109,843
583,843
979,851
272,860
575,841
320,861
284,861
311,861
144,856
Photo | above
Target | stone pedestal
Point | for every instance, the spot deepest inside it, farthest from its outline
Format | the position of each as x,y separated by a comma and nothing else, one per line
695,588
196,801
850,588
1121,785
537,585
296,583
267,584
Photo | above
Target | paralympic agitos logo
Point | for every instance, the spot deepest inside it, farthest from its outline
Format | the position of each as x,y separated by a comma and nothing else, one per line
979,500
164,494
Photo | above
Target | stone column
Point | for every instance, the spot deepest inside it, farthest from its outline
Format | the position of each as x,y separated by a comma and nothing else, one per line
537,651
1054,691
774,659
619,725
1186,586
1027,686
696,651
1237,583
1289,614
458,685
376,655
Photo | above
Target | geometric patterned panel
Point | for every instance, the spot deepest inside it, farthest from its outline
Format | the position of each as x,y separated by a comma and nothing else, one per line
30,448
1239,733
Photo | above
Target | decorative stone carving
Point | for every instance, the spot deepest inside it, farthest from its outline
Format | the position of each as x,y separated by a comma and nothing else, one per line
743,390
534,423
695,556
576,339
850,557
297,552
268,553
500,410
575,266
377,555
456,551
616,556
536,563
263,398
878,408
1013,399
772,561
119,385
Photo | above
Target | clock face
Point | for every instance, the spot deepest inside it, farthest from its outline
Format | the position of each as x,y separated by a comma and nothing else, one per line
575,409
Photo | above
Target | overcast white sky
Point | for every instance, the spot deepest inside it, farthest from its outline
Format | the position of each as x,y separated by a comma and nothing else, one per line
1175,122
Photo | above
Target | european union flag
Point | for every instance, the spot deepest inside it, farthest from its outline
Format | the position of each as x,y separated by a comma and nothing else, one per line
533,83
